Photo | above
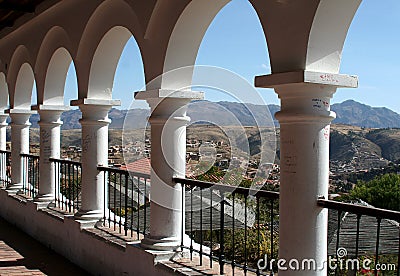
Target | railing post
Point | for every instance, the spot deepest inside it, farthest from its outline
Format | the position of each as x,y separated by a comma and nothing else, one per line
20,144
50,129
304,119
168,149
94,123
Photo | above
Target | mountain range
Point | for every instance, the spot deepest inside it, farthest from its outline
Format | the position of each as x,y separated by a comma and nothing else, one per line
359,131
231,113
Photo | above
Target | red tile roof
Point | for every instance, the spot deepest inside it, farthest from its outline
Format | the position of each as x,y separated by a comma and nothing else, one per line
140,166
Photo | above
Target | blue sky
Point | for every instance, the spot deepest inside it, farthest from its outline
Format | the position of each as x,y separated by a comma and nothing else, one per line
235,41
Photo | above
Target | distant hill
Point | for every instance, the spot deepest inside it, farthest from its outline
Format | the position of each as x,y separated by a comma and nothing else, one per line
357,114
348,142
345,143
230,113
221,113
360,133
388,140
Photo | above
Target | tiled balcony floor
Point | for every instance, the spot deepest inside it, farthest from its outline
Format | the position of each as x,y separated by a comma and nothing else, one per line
22,255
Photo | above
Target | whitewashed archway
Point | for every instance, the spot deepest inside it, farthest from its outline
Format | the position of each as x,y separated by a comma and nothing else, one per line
53,61
105,61
20,79
185,41
23,88
328,33
101,45
57,70
3,93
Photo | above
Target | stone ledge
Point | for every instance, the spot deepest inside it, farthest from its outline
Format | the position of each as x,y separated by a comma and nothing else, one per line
306,77
95,250
109,236
53,213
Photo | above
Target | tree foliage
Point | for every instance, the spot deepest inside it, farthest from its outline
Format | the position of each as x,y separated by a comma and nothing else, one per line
382,191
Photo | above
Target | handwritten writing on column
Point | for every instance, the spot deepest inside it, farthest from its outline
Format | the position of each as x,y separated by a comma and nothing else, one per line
46,147
47,153
86,142
45,135
320,104
317,103
290,162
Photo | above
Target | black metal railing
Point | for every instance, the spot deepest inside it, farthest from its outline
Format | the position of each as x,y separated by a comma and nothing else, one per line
362,238
5,168
67,184
30,176
126,201
230,225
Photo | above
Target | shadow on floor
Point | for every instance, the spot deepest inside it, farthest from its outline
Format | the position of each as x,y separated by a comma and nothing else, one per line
19,253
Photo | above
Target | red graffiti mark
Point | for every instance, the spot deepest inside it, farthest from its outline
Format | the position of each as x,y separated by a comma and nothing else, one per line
326,133
328,78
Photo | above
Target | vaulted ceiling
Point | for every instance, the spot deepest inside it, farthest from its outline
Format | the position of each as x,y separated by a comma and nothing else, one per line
12,10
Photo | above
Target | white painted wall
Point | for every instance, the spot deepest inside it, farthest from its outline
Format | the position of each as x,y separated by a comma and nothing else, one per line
68,238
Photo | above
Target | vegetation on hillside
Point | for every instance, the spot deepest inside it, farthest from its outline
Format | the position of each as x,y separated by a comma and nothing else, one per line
382,191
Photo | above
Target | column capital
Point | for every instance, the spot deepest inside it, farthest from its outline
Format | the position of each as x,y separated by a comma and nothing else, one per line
95,111
3,120
168,94
17,111
95,102
50,108
164,102
50,114
303,83
305,95
20,116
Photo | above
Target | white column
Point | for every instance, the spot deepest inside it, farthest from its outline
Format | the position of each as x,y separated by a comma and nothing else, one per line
168,150
304,119
3,131
94,123
20,144
3,145
304,130
50,130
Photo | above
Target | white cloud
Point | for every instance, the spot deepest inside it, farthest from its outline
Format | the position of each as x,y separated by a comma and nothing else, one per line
266,66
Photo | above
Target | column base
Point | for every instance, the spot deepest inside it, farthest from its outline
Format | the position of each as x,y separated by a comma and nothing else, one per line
163,244
14,188
89,215
44,198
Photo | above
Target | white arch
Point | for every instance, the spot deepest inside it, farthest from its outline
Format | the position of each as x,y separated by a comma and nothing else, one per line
53,56
102,42
105,61
55,77
19,58
328,33
3,93
23,88
185,41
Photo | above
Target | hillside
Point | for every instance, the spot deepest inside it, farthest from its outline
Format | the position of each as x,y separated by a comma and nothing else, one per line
356,114
348,143
232,113
388,140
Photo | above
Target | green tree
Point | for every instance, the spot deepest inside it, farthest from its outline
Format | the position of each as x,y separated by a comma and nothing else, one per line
382,191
